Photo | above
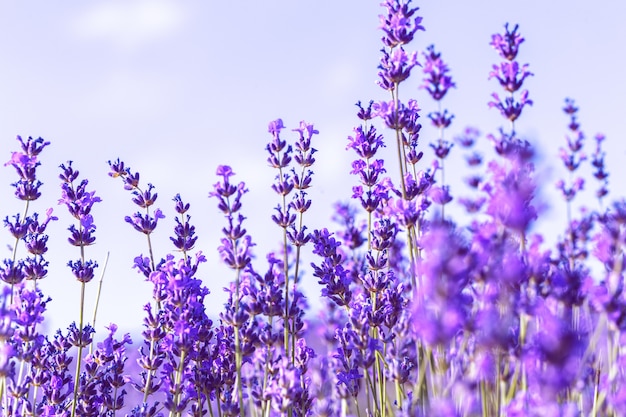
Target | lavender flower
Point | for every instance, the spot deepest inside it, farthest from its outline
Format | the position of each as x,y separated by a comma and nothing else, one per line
510,75
399,24
437,81
25,164
600,174
441,308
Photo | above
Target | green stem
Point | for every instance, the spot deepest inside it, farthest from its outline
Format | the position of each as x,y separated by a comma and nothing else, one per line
95,309
177,383
238,354
80,346
14,257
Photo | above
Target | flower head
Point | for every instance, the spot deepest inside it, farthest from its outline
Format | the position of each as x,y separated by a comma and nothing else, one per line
398,24
507,44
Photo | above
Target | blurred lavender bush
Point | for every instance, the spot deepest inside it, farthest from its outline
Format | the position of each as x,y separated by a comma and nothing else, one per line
423,314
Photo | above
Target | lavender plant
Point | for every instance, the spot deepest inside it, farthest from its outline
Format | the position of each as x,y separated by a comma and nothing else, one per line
423,314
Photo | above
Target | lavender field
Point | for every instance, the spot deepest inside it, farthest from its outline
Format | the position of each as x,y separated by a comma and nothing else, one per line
464,271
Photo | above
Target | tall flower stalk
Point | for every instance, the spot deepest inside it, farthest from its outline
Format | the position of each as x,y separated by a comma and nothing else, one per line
437,82
27,188
292,225
79,203
145,223
235,251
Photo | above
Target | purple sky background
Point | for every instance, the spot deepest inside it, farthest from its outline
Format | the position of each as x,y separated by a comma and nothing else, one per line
176,88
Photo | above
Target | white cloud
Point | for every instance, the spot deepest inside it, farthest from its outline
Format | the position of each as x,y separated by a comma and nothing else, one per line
129,24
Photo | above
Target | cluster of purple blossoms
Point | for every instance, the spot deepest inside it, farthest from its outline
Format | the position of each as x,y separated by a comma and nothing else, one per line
236,244
366,142
600,173
573,156
147,221
437,82
79,203
290,215
24,227
25,164
421,314
474,161
510,75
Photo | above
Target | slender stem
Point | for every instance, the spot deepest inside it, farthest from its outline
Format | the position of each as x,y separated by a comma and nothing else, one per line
286,290
238,353
400,144
265,404
295,282
80,346
14,257
441,160
146,390
95,309
178,380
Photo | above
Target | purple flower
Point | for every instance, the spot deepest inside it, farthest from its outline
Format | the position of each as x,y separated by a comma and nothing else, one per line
365,144
236,256
395,67
442,148
474,159
507,44
571,160
407,212
77,337
279,151
348,381
570,192
184,239
35,268
235,249
145,223
29,308
404,118
441,120
437,81
440,307
597,162
130,180
440,195
330,272
510,108
304,152
399,24
12,273
419,186
146,198
275,127
77,199
83,236
17,228
25,164
83,271
510,75
511,193
468,138
365,113
352,234
224,190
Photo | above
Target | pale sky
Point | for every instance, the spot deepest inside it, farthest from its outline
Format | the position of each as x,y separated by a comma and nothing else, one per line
176,88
